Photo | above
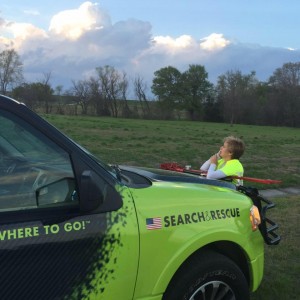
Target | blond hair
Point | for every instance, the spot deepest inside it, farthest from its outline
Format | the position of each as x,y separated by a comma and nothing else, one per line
235,145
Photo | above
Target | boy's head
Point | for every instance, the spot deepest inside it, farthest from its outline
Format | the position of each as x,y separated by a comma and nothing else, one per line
235,145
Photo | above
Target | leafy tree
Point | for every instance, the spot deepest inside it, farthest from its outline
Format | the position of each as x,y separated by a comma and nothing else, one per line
166,86
196,90
236,94
288,76
32,94
284,98
11,71
212,109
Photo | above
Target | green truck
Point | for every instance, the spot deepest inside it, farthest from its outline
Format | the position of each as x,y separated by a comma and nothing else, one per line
74,227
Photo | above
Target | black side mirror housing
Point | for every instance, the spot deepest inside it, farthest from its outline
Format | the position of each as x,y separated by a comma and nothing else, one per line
91,195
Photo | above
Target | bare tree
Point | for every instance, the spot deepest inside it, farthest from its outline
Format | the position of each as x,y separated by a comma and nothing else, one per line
123,90
47,94
113,86
11,71
58,93
81,89
140,88
97,99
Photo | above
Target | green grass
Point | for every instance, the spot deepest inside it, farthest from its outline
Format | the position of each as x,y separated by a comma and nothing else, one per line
271,152
282,262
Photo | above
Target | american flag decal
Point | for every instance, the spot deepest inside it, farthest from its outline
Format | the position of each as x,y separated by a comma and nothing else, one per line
153,223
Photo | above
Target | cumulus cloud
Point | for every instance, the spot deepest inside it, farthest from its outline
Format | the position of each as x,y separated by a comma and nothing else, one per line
181,51
15,35
79,40
25,31
73,23
213,42
169,43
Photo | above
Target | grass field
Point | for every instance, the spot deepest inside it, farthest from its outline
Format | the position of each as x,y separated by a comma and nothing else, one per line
271,152
282,262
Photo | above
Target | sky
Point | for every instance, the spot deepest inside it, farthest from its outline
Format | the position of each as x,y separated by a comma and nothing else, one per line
70,38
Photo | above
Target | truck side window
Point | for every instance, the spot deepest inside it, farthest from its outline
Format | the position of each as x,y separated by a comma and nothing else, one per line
34,171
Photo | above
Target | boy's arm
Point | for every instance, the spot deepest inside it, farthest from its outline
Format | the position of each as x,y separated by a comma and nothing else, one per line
205,166
212,173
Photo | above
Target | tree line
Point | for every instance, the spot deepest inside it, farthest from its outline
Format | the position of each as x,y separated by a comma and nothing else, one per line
236,98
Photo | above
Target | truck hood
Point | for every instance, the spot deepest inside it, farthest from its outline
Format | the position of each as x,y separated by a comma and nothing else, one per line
141,177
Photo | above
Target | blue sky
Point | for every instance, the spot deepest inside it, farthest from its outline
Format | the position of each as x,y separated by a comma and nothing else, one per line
69,38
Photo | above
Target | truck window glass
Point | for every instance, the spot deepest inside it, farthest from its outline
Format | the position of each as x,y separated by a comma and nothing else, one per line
34,171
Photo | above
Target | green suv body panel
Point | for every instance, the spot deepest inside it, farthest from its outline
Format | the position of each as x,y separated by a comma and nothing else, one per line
192,217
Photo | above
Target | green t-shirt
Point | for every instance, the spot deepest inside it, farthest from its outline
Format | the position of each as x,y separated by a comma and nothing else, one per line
232,167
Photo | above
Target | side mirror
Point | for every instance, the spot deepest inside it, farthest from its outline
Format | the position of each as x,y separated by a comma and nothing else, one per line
91,196
57,192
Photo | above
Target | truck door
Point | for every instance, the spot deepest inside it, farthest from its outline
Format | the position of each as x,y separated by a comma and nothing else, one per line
49,247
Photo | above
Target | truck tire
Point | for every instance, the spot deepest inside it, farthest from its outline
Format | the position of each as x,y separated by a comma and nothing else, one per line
209,275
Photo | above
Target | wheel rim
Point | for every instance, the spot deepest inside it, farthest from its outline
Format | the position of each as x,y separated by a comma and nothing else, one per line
213,290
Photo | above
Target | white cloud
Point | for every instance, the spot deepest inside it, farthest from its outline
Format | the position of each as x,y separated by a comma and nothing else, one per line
181,51
73,23
82,39
186,47
168,42
14,35
25,31
213,42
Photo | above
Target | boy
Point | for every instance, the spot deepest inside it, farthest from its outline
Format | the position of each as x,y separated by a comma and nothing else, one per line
226,162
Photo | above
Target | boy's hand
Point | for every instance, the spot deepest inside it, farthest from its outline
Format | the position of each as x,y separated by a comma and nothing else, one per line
214,159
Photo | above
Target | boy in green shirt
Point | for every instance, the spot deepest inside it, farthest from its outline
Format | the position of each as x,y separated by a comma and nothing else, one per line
226,162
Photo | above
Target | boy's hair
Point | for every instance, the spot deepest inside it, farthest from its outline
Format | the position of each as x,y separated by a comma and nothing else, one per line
236,146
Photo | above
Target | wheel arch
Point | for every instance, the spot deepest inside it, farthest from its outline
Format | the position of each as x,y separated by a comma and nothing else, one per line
208,255
229,249
234,252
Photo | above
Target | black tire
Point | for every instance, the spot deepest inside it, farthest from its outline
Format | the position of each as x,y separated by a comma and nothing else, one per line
208,275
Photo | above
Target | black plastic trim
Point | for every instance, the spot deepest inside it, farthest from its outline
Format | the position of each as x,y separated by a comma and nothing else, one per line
267,227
